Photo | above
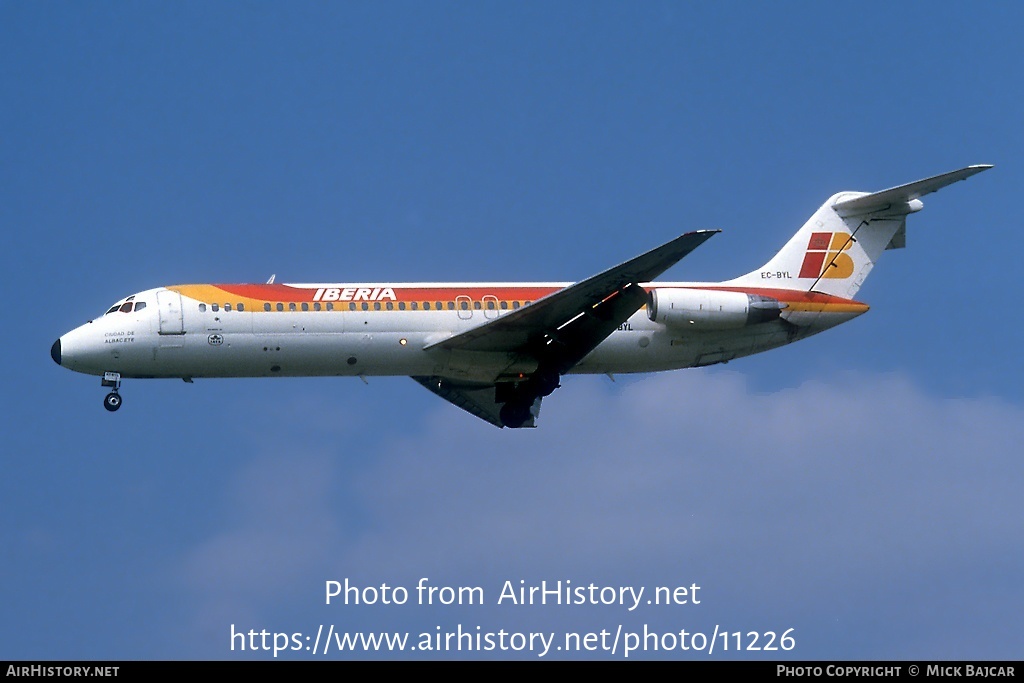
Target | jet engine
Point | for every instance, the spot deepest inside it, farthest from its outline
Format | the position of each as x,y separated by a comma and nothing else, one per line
709,309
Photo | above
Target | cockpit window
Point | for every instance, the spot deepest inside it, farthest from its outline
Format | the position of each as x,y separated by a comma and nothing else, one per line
139,305
126,307
112,309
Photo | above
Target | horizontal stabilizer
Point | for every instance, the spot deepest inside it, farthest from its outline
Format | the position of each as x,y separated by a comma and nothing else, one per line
900,196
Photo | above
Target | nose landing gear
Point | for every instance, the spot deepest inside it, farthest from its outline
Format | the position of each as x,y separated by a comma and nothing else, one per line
112,401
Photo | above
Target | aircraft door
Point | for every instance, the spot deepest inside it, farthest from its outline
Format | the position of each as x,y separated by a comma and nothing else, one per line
490,306
169,305
464,307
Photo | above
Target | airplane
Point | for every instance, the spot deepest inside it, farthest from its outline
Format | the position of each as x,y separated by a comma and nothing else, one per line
496,350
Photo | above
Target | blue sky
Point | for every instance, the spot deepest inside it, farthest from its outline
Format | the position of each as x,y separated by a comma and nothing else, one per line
860,487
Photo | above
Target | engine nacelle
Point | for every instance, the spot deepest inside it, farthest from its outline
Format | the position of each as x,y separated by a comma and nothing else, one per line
709,309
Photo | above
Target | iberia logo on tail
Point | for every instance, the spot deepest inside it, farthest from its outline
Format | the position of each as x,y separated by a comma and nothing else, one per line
825,257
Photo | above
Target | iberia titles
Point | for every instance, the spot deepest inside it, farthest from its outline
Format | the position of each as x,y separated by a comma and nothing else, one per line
354,294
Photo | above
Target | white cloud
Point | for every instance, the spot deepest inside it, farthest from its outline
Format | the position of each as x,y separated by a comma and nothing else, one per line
851,500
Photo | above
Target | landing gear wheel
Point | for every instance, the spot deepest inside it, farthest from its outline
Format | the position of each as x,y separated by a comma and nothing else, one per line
545,381
112,401
513,414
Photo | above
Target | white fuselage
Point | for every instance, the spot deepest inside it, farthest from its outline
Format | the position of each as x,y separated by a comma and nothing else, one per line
364,330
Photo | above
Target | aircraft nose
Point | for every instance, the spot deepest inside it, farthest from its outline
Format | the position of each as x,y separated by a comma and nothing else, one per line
55,352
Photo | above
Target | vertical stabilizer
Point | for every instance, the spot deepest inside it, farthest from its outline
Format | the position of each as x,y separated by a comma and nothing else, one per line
834,251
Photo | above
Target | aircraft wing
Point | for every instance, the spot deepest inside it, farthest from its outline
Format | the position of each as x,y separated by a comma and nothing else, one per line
566,325
477,401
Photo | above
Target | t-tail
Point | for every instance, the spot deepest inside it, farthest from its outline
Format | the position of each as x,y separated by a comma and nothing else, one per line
835,250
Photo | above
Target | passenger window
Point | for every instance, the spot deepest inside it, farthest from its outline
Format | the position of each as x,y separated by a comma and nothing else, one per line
316,306
504,305
390,306
426,305
240,307
330,307
352,306
414,305
376,305
266,307
365,306
214,307
139,305
126,307
280,307
291,306
464,305
451,306
202,308
490,305
515,304
305,306
227,307
476,305
401,305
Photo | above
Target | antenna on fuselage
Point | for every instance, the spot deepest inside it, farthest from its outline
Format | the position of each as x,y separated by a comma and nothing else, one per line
271,280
